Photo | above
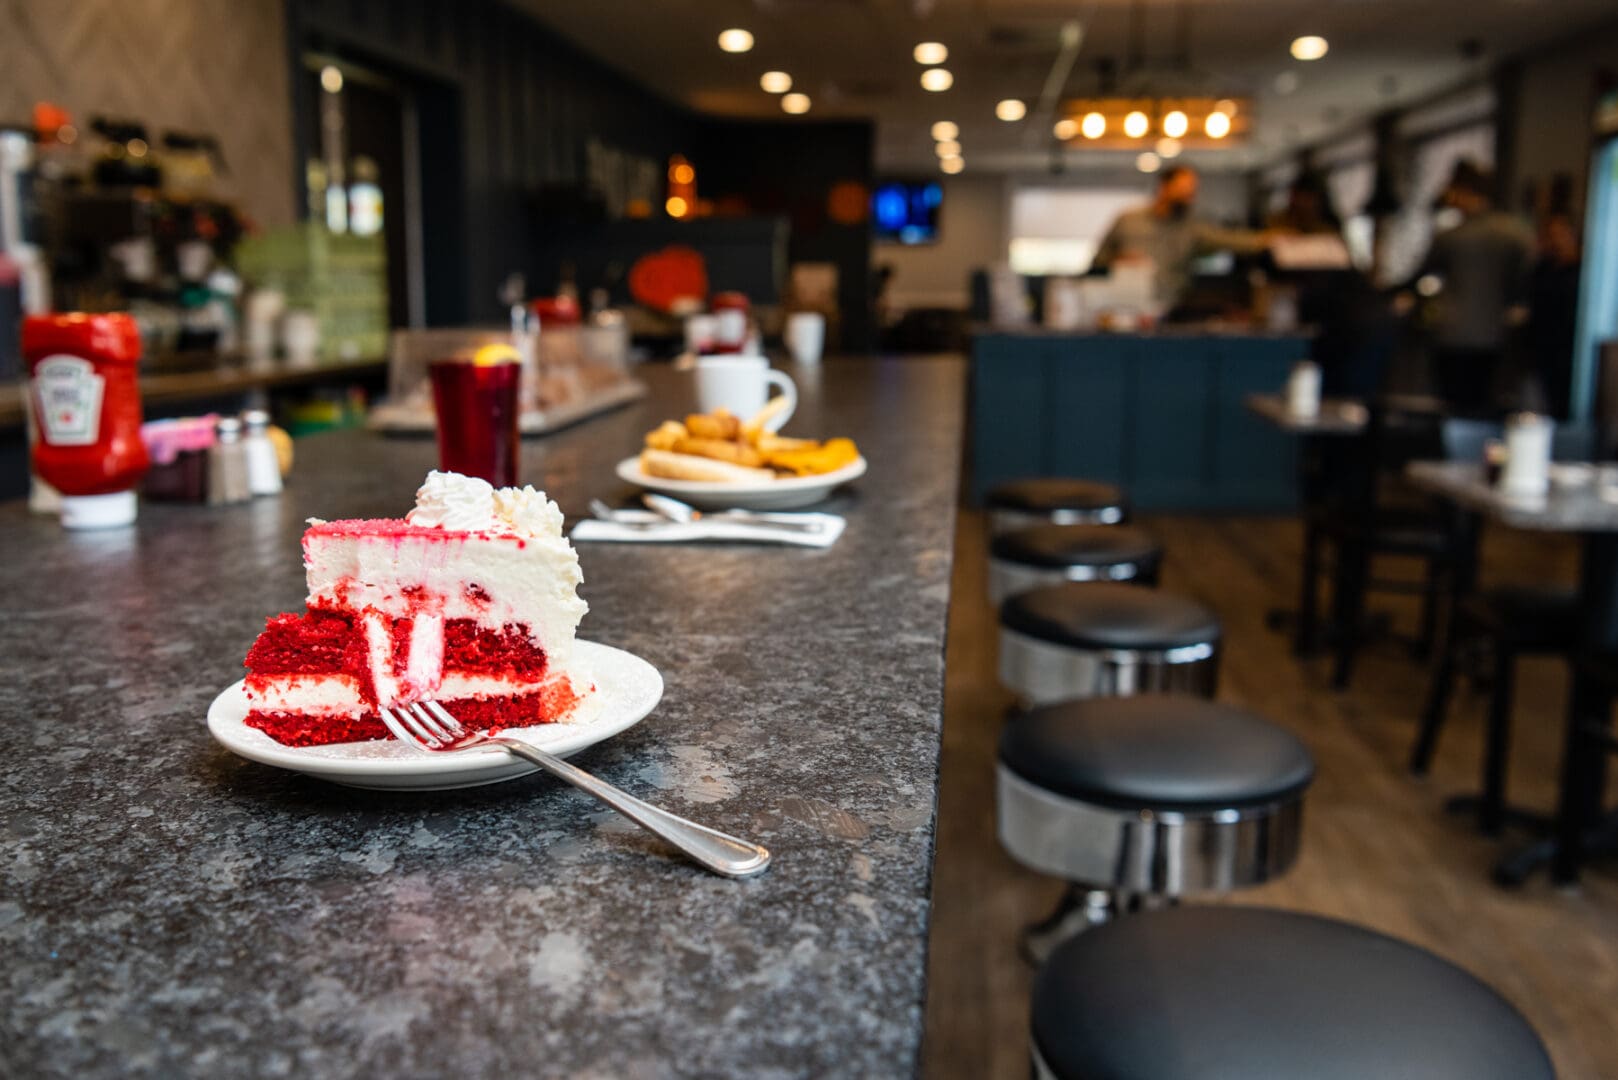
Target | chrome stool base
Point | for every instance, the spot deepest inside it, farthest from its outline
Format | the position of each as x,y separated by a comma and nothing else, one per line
1042,673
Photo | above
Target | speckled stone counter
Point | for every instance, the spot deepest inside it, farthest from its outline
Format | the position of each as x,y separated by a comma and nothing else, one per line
167,909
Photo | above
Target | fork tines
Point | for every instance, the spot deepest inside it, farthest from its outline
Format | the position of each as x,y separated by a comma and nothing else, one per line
425,724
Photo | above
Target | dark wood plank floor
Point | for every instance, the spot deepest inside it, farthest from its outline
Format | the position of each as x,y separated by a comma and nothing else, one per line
1378,848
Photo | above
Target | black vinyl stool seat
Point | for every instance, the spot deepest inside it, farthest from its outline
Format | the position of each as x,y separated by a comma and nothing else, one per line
1092,639
1162,795
1230,993
1042,555
1017,504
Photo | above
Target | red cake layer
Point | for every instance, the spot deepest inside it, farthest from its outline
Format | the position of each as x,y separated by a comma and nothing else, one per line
330,643
490,715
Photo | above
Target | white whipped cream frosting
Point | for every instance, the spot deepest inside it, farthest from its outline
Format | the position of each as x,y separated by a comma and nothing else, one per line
468,504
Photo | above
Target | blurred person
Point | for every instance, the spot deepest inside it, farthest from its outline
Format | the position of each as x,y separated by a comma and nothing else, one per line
1308,209
1553,310
1482,269
1164,233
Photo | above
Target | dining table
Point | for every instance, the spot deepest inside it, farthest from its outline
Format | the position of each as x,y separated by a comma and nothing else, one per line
1588,510
170,909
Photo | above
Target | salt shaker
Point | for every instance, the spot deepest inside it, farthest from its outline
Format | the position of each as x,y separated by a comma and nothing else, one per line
1303,390
263,466
227,464
1528,455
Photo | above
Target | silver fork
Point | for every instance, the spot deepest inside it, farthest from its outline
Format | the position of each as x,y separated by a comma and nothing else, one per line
428,726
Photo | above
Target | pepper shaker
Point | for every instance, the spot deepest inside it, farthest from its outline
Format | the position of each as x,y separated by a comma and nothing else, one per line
227,464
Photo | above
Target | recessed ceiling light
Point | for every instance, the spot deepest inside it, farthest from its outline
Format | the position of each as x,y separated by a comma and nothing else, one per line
796,104
1148,162
1011,109
735,41
1136,124
1286,82
1093,126
945,129
1309,47
1175,124
930,52
1168,148
1217,125
775,82
1065,129
952,165
937,79
948,148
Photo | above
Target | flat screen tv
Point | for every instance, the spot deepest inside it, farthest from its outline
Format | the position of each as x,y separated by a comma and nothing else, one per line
906,211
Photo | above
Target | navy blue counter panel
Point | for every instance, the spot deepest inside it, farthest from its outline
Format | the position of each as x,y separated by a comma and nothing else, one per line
1161,415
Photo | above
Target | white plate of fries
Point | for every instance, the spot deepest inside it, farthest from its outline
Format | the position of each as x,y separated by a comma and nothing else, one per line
780,493
715,461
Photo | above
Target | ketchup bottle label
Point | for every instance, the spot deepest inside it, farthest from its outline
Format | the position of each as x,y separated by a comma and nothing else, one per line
68,396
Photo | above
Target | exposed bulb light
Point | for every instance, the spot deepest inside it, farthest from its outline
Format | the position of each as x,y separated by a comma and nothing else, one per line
796,104
331,79
1148,162
676,206
952,165
1217,125
930,52
1011,110
948,148
775,82
1093,126
1065,129
1168,148
945,129
1136,124
1175,124
937,79
735,41
1309,47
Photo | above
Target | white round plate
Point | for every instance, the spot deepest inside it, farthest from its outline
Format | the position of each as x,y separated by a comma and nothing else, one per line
627,688
789,493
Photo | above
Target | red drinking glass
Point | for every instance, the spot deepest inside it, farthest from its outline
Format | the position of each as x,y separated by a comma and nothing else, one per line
477,404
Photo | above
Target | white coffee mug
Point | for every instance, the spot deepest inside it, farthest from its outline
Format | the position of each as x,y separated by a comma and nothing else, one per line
742,385
806,336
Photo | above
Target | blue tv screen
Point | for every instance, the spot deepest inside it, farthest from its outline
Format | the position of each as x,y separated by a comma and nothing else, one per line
906,211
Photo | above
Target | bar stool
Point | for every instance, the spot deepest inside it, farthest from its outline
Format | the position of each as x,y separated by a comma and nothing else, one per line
1093,639
1209,993
1139,801
1054,500
1051,554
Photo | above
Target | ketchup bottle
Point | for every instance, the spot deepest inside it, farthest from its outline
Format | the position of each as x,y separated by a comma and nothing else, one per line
82,376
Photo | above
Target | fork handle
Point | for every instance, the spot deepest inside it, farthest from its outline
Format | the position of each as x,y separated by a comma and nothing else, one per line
723,854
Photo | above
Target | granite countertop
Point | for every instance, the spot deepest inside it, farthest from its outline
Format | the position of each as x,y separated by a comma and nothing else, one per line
168,909
1577,509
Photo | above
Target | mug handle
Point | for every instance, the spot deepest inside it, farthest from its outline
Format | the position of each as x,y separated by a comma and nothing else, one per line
784,383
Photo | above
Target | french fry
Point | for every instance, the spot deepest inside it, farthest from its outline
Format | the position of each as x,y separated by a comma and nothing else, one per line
719,424
755,428
720,450
667,434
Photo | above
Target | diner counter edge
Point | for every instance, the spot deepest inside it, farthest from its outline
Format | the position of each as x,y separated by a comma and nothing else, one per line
1161,413
169,909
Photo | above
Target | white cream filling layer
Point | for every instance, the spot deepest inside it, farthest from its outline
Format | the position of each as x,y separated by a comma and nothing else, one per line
339,695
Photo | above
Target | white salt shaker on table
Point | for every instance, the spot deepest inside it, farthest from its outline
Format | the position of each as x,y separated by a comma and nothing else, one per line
1303,390
1528,455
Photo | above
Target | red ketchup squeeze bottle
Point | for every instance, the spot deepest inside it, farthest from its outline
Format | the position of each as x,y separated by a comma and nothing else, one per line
81,371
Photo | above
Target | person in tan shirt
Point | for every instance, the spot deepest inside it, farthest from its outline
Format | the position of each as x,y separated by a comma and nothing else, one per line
1165,232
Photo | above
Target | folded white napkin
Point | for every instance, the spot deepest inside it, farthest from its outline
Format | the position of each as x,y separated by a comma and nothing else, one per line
799,530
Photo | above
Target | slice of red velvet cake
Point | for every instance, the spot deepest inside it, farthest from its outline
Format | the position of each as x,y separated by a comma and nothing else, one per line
470,600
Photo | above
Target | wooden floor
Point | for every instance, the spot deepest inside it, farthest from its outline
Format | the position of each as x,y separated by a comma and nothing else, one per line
1378,848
